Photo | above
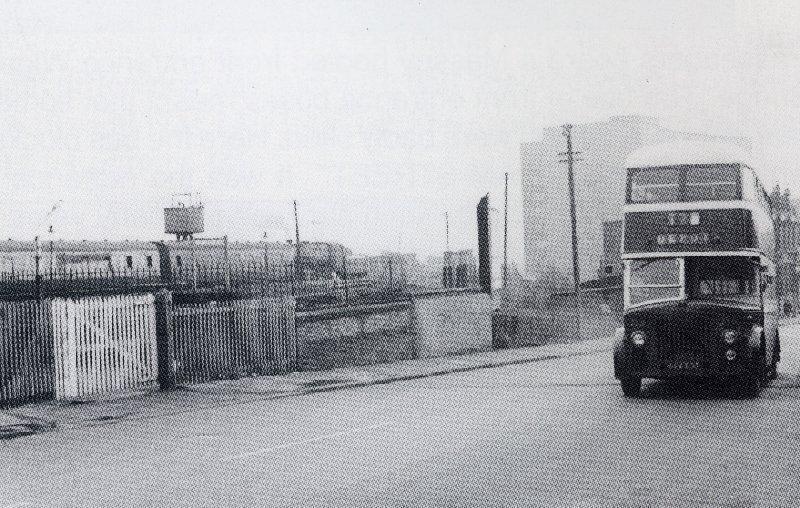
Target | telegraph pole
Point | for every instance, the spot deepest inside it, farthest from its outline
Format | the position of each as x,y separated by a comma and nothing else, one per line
505,238
297,242
447,232
570,160
777,210
37,259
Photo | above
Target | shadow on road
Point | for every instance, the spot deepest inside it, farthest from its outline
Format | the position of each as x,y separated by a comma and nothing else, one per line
685,389
704,389
23,429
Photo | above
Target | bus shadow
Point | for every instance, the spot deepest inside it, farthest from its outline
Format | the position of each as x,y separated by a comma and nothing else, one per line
700,389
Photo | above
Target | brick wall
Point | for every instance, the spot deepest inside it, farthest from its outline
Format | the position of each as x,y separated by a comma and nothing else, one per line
355,336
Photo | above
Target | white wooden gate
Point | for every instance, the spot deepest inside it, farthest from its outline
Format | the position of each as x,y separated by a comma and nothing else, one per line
104,344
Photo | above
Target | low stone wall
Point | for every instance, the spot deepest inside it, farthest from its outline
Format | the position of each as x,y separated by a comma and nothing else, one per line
453,323
431,325
441,324
352,336
555,321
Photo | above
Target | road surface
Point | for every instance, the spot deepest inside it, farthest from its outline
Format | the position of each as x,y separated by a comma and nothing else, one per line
550,433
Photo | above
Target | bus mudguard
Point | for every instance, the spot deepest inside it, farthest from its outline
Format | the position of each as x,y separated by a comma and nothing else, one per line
620,356
756,335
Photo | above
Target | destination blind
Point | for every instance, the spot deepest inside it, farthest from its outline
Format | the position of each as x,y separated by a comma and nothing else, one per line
689,231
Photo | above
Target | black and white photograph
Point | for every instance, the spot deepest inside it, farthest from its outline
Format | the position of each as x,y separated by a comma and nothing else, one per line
369,253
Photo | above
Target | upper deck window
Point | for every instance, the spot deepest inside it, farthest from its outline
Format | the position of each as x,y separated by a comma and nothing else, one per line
717,182
654,185
712,183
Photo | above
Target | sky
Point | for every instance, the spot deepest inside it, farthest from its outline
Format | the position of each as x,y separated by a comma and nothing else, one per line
377,117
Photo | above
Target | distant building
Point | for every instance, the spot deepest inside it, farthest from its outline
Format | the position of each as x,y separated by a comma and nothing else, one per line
62,258
18,258
430,273
599,188
460,269
788,262
395,268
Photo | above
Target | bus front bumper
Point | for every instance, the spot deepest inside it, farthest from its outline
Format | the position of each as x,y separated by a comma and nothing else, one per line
650,361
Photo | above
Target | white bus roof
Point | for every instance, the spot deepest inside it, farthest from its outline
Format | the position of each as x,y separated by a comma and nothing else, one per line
687,152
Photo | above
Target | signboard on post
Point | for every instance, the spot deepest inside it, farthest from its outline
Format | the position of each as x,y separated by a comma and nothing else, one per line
484,247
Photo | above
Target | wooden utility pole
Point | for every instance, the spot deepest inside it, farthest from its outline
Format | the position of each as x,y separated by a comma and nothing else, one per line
447,232
297,242
38,276
505,238
484,246
570,160
227,263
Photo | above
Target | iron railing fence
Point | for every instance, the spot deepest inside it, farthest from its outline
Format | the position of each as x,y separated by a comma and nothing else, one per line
352,281
27,368
223,340
77,282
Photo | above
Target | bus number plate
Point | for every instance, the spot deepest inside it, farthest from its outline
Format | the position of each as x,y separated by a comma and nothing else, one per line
684,365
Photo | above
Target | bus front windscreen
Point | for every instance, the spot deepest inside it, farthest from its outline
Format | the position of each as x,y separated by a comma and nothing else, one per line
651,280
723,279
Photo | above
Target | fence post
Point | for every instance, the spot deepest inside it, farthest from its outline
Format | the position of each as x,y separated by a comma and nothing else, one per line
413,326
291,320
38,278
227,264
164,341
346,280
391,278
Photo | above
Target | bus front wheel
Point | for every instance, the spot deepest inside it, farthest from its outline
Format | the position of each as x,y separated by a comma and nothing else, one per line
776,357
751,382
631,386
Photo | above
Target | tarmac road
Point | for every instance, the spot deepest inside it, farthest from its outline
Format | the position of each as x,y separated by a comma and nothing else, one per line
550,433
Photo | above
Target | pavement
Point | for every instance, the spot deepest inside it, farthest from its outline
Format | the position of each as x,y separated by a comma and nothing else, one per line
48,416
552,432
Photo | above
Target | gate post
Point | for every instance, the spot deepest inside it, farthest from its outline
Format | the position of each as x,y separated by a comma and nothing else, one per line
290,315
164,341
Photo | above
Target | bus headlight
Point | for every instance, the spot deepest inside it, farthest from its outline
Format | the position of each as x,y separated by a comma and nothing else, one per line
638,338
729,336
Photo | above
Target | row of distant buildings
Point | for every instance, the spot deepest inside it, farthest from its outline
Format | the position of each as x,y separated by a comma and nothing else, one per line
599,195
318,260
191,253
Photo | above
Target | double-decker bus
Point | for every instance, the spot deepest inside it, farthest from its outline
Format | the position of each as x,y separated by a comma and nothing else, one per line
698,251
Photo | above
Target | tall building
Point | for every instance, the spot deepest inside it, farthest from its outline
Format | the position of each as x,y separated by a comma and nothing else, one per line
786,214
599,188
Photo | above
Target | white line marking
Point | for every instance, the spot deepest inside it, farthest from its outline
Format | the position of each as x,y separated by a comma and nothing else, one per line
284,446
